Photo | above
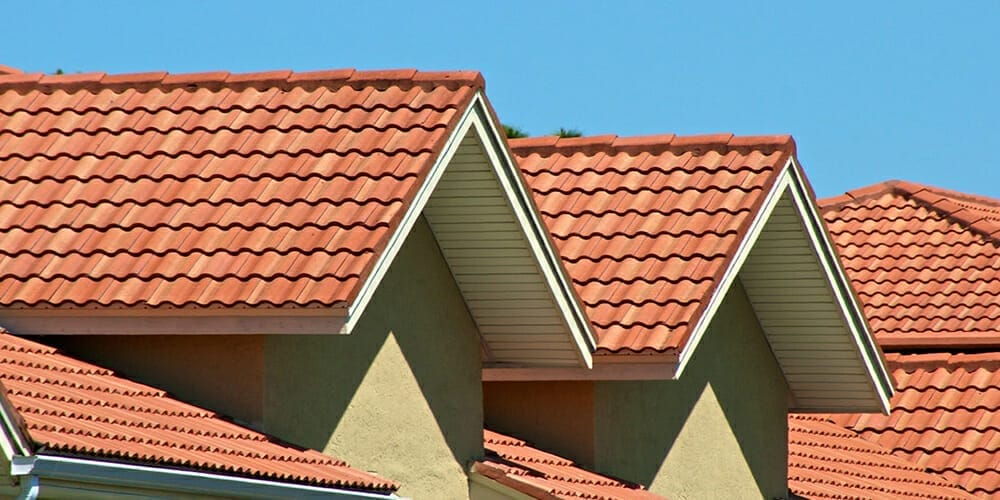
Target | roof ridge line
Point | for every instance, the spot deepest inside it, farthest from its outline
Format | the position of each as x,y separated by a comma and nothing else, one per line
216,80
930,197
634,145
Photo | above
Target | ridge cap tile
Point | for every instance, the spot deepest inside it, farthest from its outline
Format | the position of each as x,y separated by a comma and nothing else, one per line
260,79
654,144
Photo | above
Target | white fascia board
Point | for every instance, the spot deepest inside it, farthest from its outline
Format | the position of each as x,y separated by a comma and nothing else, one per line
829,259
12,441
45,467
477,118
742,252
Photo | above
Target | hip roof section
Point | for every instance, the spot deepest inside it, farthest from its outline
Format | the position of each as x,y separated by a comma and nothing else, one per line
924,261
72,408
263,190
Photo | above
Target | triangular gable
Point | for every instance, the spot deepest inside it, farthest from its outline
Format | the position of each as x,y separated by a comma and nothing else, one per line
655,230
266,203
498,250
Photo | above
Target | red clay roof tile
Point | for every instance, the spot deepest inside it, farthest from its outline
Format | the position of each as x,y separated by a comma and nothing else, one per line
923,261
72,407
945,417
154,189
540,474
827,461
647,225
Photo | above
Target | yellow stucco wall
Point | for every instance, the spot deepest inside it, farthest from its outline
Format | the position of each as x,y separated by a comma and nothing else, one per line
400,396
720,431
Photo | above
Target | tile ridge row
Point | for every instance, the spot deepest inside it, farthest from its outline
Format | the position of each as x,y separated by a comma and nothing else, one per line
284,79
697,144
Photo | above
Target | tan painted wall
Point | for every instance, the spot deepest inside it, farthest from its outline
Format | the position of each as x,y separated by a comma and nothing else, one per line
550,415
401,395
221,372
718,432
484,488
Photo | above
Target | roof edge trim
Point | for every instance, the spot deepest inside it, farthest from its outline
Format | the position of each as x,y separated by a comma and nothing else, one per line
846,298
137,476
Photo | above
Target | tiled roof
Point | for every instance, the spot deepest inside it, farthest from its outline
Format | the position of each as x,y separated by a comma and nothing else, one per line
925,263
160,190
827,461
539,474
69,407
646,226
945,417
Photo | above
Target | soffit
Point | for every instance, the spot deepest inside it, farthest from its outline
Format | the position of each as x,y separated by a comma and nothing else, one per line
806,326
491,259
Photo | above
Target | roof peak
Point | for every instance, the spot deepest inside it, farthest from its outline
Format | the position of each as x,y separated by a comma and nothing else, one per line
336,78
633,145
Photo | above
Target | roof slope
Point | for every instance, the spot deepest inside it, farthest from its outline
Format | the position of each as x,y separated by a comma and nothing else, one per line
518,465
924,262
69,407
827,461
945,417
647,226
157,190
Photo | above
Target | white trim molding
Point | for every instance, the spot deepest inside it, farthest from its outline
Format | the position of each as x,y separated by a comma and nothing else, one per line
46,471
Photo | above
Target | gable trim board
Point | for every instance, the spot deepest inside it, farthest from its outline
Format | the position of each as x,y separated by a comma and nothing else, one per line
798,342
39,473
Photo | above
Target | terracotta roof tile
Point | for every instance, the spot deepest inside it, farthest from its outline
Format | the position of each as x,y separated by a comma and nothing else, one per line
827,461
647,225
540,474
945,417
924,261
75,408
154,189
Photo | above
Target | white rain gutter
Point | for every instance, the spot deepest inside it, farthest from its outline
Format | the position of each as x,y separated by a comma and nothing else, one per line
36,469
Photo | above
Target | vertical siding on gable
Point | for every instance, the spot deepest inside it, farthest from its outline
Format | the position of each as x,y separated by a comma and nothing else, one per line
718,432
401,395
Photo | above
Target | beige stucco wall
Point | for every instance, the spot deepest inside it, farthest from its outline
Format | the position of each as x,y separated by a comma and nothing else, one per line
400,396
718,432
220,372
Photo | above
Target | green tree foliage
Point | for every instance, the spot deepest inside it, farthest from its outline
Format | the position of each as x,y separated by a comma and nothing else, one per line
568,132
513,132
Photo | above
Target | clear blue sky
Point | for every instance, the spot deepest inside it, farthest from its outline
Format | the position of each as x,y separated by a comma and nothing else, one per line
870,90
